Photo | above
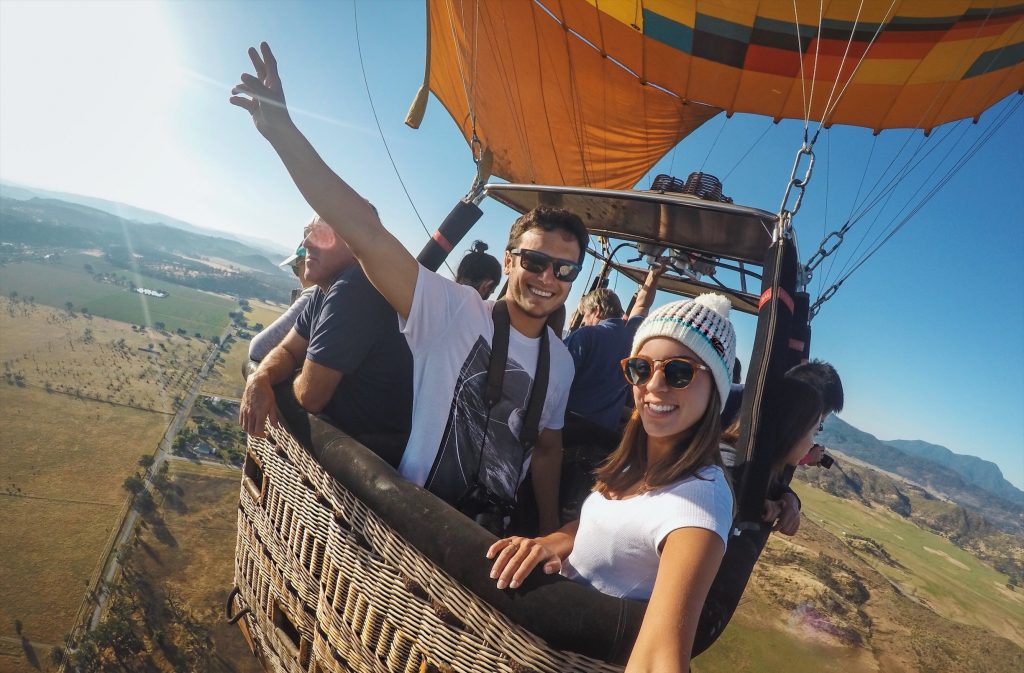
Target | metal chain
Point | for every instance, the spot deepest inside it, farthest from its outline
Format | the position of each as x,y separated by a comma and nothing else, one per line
786,214
825,296
823,252
785,226
818,258
829,244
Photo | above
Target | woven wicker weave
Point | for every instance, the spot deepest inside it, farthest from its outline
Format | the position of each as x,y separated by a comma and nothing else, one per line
331,588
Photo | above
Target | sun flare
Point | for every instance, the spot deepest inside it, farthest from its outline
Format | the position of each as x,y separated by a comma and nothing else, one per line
89,78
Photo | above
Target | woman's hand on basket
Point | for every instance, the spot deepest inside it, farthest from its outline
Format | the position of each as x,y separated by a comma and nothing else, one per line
516,557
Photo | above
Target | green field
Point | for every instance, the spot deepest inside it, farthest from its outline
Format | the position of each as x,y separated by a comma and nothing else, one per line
56,283
225,377
754,642
949,580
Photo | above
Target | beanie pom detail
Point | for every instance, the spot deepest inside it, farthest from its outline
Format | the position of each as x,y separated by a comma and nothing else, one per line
718,303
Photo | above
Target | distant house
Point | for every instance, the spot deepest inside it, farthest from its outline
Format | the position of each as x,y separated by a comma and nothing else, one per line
151,293
203,449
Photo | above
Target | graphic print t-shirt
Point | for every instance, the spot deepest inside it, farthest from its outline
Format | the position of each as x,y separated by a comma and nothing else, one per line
449,331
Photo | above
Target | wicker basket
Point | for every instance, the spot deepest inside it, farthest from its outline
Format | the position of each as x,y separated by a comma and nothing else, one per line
331,587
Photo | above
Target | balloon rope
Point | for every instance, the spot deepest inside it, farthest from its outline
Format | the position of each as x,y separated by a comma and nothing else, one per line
750,149
369,97
863,177
885,195
980,142
828,183
814,69
714,143
803,77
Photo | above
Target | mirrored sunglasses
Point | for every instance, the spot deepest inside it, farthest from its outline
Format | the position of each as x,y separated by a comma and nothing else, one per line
538,262
679,372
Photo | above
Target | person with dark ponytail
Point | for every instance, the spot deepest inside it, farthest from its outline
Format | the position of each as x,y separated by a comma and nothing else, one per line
479,269
803,401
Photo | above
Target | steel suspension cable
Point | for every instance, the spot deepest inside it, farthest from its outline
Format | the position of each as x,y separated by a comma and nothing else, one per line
380,130
950,173
750,149
886,194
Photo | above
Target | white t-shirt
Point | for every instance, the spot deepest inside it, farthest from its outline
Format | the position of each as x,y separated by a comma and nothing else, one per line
616,547
449,331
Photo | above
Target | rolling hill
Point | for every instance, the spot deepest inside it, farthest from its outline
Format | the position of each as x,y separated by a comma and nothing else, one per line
35,227
925,469
141,215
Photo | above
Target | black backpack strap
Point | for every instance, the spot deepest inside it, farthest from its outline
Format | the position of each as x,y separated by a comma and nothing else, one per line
531,422
496,374
499,353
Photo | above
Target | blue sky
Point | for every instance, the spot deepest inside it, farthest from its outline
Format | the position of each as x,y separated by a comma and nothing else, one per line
128,101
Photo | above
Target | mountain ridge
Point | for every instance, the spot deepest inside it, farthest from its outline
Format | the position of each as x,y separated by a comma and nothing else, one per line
981,472
21,192
196,260
933,476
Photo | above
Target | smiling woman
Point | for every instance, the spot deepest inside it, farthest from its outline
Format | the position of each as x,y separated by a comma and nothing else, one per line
87,91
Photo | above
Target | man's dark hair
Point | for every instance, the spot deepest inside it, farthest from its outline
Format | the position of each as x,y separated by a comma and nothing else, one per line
550,218
737,371
825,379
478,266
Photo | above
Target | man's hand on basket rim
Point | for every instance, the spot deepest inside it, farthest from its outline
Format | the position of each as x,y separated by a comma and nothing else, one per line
258,406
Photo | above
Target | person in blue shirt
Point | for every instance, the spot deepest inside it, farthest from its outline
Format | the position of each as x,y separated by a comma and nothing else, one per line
598,392
356,367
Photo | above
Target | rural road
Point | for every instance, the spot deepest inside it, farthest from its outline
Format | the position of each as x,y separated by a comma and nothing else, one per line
163,451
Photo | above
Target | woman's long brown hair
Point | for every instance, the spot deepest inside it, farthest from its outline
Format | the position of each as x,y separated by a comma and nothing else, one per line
627,465
799,409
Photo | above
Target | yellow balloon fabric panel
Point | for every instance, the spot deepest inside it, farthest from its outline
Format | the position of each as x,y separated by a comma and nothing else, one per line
594,92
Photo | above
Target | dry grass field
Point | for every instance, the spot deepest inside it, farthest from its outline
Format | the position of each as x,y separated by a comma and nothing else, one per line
64,461
96,358
81,404
188,554
225,377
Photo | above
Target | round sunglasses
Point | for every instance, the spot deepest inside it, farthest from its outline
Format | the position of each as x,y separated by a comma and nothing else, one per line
679,372
538,262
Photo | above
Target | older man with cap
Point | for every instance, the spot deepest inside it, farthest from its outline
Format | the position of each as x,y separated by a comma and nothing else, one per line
356,367
265,341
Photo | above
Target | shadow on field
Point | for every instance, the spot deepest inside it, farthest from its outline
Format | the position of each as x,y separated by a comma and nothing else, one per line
173,500
30,652
160,530
150,552
164,535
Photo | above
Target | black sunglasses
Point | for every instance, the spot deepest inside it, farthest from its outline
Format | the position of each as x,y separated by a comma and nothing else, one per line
679,372
537,262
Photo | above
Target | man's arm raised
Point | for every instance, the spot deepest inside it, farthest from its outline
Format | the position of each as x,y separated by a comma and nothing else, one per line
387,263
645,293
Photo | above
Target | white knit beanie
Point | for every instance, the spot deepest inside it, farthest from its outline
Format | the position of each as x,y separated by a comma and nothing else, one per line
702,325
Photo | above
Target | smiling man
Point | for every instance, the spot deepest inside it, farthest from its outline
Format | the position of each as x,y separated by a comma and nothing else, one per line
356,366
465,445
